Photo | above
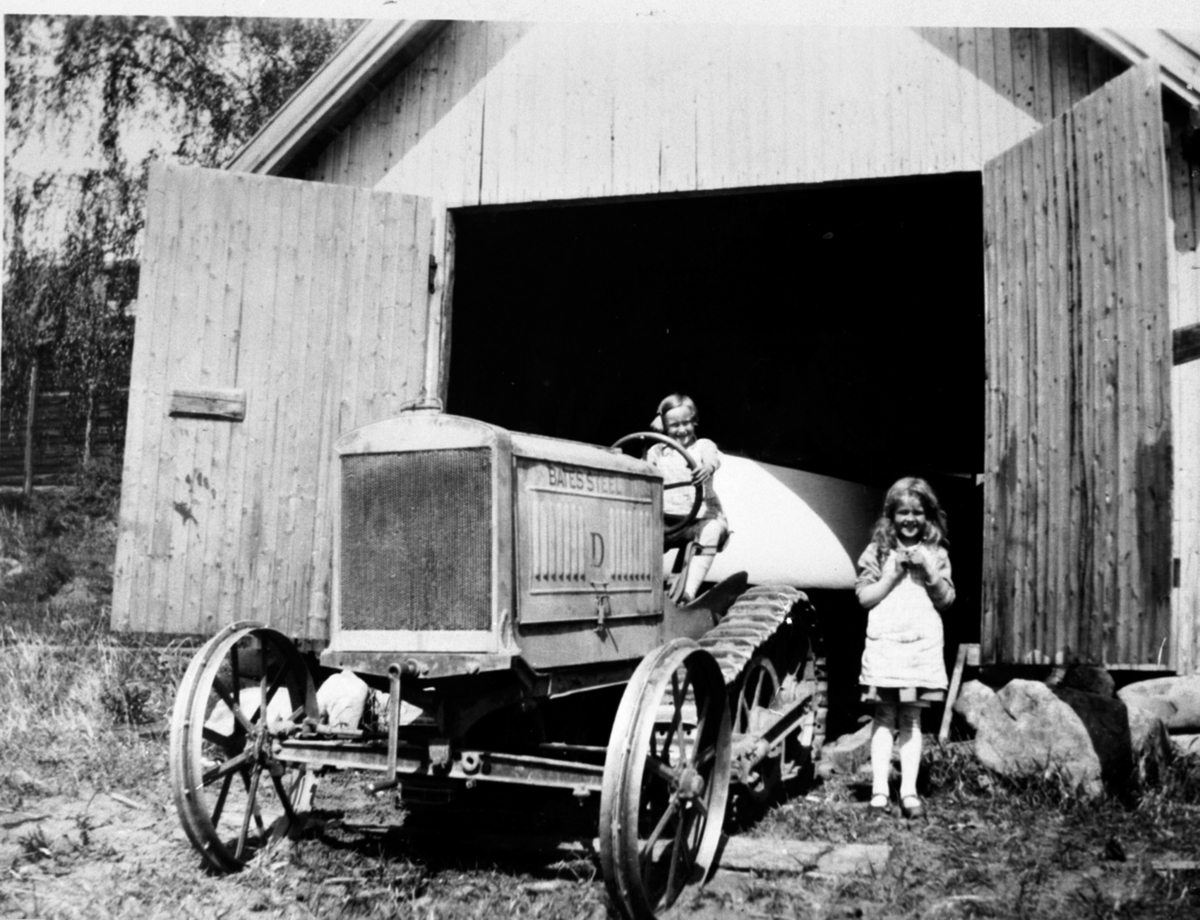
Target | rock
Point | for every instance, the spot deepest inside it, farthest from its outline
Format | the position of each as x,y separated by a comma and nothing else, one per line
1158,707
855,859
1149,742
1186,745
758,855
1091,741
1090,678
850,751
973,696
1180,693
794,856
71,593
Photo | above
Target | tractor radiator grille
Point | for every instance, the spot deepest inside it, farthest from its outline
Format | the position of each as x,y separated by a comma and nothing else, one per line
417,540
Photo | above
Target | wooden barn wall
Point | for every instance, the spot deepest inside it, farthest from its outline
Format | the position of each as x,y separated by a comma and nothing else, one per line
310,301
1077,509
1185,399
502,112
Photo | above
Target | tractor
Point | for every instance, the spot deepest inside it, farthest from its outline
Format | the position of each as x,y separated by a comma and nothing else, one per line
505,596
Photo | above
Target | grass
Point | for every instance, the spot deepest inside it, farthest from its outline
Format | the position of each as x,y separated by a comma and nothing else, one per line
83,712
70,712
74,693
997,847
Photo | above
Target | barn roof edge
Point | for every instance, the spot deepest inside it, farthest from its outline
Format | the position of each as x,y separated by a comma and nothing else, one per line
376,47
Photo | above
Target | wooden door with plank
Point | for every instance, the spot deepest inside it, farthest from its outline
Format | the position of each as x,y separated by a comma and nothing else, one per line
273,315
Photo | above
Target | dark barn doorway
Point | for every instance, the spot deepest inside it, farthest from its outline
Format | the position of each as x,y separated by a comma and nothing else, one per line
834,328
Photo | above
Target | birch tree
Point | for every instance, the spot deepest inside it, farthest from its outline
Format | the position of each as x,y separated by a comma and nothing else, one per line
89,101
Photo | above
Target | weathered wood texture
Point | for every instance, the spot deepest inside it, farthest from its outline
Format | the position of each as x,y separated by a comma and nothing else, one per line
1184,254
499,112
228,404
1077,502
312,300
492,113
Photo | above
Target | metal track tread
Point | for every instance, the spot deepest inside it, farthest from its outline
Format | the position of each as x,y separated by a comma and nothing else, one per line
749,624
752,620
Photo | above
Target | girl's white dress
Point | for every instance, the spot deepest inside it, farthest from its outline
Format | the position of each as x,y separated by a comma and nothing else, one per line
904,630
674,469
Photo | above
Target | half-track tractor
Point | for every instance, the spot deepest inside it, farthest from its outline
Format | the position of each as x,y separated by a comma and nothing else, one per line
504,593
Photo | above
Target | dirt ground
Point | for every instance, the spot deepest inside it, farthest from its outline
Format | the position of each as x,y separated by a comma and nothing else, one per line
113,854
122,853
88,827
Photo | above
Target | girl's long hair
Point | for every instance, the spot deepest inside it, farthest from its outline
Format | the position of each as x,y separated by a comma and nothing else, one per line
885,539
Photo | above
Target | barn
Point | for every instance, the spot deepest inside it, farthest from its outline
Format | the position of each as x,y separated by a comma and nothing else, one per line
963,253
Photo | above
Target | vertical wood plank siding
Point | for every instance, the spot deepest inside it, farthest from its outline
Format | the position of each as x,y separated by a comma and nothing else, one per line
308,297
314,302
503,112
1184,256
513,112
1077,500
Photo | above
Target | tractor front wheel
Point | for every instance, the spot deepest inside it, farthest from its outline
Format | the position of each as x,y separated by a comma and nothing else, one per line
245,692
666,780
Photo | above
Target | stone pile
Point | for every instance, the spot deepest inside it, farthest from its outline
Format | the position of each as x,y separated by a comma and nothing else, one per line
1074,727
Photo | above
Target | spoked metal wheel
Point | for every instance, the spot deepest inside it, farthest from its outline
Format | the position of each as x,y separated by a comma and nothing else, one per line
666,780
246,691
756,707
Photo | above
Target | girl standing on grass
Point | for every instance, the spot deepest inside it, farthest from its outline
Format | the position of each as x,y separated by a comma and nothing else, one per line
904,581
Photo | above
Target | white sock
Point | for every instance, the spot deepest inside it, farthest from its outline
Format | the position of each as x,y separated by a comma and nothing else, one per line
881,747
910,749
709,536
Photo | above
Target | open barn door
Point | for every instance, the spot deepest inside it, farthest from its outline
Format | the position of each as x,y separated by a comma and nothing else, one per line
1077,516
273,315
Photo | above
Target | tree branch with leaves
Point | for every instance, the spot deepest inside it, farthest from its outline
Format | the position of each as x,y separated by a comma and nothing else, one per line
89,102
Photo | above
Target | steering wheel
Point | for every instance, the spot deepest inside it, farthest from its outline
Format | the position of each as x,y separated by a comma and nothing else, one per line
686,521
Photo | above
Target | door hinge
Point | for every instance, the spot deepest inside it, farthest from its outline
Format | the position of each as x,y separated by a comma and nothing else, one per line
432,273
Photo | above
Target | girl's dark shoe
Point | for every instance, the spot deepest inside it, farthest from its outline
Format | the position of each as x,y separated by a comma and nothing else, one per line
879,805
911,806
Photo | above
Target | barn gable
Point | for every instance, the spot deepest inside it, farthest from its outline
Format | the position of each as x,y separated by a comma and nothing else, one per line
646,110
1038,71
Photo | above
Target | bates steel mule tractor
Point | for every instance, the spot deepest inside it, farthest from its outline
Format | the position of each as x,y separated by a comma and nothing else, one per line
505,593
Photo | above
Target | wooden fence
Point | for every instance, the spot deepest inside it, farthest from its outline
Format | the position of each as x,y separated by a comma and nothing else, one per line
58,440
